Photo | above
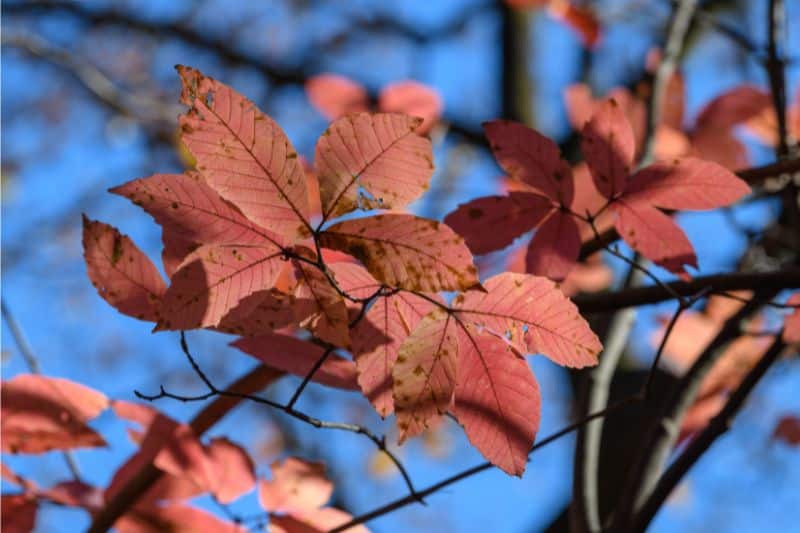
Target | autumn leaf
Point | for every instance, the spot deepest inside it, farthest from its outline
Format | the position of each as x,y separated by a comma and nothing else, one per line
313,521
377,340
608,145
335,96
18,513
298,357
496,400
424,376
41,413
414,99
534,316
405,251
528,156
214,279
319,307
121,273
371,161
555,247
296,485
244,155
493,222
791,326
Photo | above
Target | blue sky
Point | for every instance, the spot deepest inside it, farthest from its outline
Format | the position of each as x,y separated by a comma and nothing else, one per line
66,165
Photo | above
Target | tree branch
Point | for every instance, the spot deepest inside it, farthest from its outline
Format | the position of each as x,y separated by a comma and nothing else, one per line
718,283
129,494
701,443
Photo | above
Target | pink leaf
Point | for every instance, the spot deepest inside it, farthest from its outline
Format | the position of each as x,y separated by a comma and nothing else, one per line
175,518
686,184
733,107
555,247
213,280
493,222
244,155
376,344
296,485
319,306
497,400
260,313
18,512
791,326
529,156
515,303
190,208
372,161
41,413
335,96
720,146
313,521
121,273
414,99
233,470
608,146
406,251
425,374
655,235
298,357
176,248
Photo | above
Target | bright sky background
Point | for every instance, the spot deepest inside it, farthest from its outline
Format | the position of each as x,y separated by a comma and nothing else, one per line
743,484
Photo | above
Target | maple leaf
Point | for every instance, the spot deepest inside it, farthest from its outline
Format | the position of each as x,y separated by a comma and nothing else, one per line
298,357
244,155
390,167
42,413
121,273
406,251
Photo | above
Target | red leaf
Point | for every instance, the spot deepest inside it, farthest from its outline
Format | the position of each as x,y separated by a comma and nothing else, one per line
213,280
582,20
555,247
686,184
234,472
608,146
319,306
720,146
376,344
176,248
405,251
529,156
313,521
194,211
791,326
414,99
41,413
335,96
297,357
497,400
425,374
260,313
244,155
515,303
788,430
493,222
655,235
372,161
296,485
733,107
18,513
121,273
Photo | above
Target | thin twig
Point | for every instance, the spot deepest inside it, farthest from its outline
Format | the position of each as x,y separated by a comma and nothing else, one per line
32,361
700,444
469,472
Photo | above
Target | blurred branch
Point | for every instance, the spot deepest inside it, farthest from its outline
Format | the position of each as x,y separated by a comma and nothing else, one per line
701,443
776,71
222,47
130,104
665,427
33,364
402,502
146,477
718,283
